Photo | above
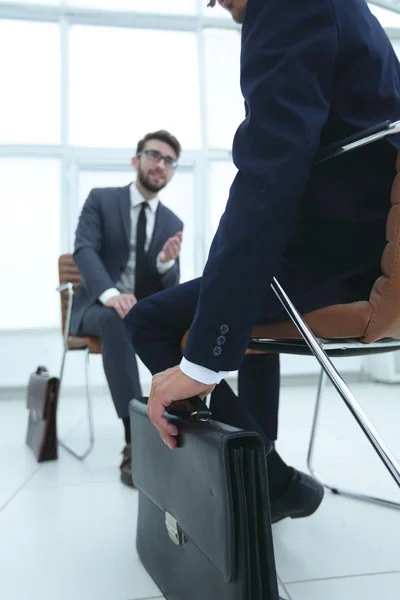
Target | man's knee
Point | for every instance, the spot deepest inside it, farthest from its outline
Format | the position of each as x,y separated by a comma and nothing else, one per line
137,322
110,322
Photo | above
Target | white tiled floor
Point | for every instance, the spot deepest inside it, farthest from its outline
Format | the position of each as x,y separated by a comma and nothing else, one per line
67,529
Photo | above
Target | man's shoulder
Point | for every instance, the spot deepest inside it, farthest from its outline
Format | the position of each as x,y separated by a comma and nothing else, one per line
103,197
167,213
356,12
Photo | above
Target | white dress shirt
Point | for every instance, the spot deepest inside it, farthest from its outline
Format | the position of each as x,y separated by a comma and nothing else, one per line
201,374
126,283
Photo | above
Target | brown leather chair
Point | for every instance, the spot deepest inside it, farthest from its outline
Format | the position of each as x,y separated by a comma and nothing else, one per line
352,329
69,278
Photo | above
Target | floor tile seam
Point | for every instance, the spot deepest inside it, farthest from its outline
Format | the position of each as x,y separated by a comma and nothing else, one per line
20,488
340,577
58,485
284,588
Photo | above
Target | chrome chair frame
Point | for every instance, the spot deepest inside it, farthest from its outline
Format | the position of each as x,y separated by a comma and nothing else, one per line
68,286
311,345
322,349
333,488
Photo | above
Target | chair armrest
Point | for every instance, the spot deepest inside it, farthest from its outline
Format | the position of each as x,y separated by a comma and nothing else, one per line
65,286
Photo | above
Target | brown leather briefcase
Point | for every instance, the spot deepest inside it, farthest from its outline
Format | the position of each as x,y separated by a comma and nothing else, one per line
42,406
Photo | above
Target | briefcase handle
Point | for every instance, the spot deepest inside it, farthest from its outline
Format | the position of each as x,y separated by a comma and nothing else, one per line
41,370
193,407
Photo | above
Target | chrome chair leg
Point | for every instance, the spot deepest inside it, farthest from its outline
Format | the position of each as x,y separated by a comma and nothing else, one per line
89,404
344,391
311,446
311,451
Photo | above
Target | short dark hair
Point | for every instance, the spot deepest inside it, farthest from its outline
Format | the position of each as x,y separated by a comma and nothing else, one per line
162,136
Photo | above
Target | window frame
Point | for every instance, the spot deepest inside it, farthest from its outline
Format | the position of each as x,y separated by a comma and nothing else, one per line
72,158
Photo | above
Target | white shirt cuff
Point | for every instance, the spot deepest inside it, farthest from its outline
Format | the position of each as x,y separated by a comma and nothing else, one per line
107,294
163,267
201,374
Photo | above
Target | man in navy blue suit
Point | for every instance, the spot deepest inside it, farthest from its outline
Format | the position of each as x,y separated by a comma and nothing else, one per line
312,73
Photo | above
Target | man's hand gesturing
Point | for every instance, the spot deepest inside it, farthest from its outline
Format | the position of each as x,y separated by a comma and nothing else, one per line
171,248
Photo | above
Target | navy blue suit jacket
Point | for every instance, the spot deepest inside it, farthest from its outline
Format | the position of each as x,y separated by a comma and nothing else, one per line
102,246
312,72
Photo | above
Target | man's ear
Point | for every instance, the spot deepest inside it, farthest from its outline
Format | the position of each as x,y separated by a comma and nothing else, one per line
134,162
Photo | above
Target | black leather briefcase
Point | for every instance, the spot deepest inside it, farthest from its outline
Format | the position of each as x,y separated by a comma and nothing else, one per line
203,529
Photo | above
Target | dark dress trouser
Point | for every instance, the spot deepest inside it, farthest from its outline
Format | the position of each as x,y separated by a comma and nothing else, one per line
157,325
119,358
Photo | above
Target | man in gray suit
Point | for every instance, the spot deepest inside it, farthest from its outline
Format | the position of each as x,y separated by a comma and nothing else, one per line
127,247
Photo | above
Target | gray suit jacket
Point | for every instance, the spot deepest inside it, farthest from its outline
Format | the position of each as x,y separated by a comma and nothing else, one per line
102,246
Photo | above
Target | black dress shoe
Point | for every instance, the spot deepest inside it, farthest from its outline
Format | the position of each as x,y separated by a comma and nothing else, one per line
301,499
126,466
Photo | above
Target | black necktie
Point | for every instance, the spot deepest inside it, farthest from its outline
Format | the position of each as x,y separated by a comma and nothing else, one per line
140,251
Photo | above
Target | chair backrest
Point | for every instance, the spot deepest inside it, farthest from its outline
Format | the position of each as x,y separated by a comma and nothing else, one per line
67,272
384,299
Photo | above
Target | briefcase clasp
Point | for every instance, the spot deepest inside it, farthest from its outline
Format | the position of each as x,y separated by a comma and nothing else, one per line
176,535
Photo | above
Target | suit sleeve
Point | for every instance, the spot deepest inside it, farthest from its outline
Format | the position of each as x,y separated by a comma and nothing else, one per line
88,242
289,53
172,276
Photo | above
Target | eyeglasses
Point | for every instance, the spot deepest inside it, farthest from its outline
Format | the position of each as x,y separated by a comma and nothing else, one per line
156,157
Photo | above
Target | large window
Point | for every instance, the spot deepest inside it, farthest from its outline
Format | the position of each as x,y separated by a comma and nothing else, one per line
81,82
125,83
387,18
222,174
179,197
187,7
29,242
34,1
30,83
216,13
225,106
